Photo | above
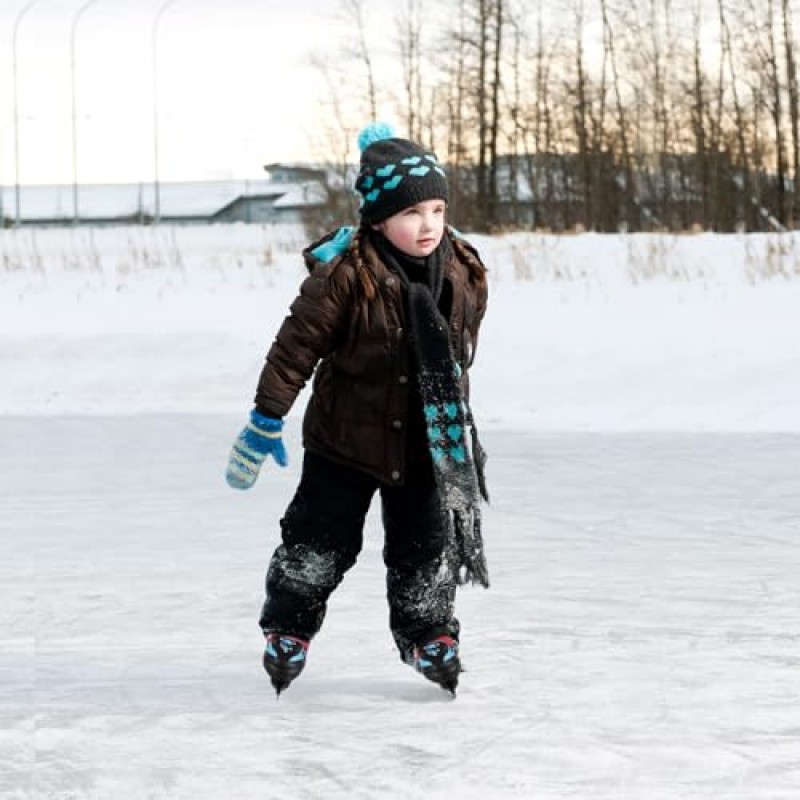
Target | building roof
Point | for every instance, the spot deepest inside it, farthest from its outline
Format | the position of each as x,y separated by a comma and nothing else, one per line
302,195
184,200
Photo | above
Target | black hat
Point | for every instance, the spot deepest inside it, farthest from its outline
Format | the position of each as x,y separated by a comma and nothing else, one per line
395,174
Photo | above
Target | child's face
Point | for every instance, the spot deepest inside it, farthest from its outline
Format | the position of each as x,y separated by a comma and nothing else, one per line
416,230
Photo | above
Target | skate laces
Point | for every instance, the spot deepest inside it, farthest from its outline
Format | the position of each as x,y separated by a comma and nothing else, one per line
284,658
287,649
436,653
438,661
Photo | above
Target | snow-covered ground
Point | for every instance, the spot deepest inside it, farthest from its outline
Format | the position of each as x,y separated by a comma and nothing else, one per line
640,399
583,332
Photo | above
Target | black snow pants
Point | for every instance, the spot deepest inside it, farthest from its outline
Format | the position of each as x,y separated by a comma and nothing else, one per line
322,535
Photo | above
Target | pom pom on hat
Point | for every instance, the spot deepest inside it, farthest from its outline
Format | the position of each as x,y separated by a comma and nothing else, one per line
374,132
395,173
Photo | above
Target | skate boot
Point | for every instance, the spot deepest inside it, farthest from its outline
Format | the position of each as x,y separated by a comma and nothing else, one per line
284,659
438,661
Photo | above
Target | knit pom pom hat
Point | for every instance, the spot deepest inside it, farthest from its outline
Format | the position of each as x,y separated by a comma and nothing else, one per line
395,173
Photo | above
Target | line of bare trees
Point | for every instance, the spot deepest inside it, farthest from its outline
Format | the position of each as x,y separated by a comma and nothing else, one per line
594,114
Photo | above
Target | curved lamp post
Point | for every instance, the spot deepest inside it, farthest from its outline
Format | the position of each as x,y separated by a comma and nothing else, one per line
17,203
78,14
156,152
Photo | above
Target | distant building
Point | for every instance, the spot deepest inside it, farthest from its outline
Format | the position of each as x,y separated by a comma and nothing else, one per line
288,194
295,173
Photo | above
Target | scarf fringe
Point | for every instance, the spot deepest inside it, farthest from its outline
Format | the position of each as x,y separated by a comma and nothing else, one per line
479,456
467,556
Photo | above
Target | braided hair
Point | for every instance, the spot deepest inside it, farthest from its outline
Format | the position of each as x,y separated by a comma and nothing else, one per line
475,268
366,280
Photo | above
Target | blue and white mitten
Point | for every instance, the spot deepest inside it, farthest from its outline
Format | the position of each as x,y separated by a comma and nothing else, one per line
259,439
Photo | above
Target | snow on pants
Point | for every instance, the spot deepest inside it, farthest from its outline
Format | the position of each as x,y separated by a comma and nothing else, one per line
322,535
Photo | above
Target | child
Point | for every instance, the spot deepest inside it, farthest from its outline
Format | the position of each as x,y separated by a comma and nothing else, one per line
389,319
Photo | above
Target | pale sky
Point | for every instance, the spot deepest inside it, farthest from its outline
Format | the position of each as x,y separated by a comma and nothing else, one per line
235,91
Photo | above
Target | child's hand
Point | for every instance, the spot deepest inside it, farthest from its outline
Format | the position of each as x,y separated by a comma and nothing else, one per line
262,437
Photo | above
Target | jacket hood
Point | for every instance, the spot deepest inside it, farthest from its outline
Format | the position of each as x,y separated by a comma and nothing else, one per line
331,246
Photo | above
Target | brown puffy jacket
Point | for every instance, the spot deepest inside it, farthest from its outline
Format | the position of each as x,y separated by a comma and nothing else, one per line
358,411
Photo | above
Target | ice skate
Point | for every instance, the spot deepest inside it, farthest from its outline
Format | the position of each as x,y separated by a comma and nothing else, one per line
284,659
438,661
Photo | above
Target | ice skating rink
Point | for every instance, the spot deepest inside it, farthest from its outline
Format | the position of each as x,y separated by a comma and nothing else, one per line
640,640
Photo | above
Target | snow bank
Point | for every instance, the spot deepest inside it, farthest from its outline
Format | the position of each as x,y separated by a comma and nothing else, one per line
585,332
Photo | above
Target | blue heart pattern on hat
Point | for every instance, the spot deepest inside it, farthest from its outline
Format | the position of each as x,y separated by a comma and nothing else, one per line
395,174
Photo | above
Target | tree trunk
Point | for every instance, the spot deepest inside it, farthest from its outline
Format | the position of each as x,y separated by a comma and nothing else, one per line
494,124
794,111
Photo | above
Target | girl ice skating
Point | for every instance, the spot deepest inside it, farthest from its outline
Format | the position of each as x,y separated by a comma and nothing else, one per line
387,323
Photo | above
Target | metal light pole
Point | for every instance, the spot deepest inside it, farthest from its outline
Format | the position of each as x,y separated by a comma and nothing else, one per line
75,19
17,21
156,153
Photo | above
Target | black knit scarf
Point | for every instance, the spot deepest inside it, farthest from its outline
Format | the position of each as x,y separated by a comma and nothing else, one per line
458,468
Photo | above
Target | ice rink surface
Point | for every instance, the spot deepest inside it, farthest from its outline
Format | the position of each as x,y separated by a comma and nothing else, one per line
640,641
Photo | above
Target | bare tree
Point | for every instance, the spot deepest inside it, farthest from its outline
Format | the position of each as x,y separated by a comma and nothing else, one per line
480,88
334,141
775,102
743,161
699,95
626,178
493,197
794,107
409,31
476,35
581,113
455,71
654,127
353,13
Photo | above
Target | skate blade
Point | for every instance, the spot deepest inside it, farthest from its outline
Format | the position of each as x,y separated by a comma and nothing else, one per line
447,682
450,686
